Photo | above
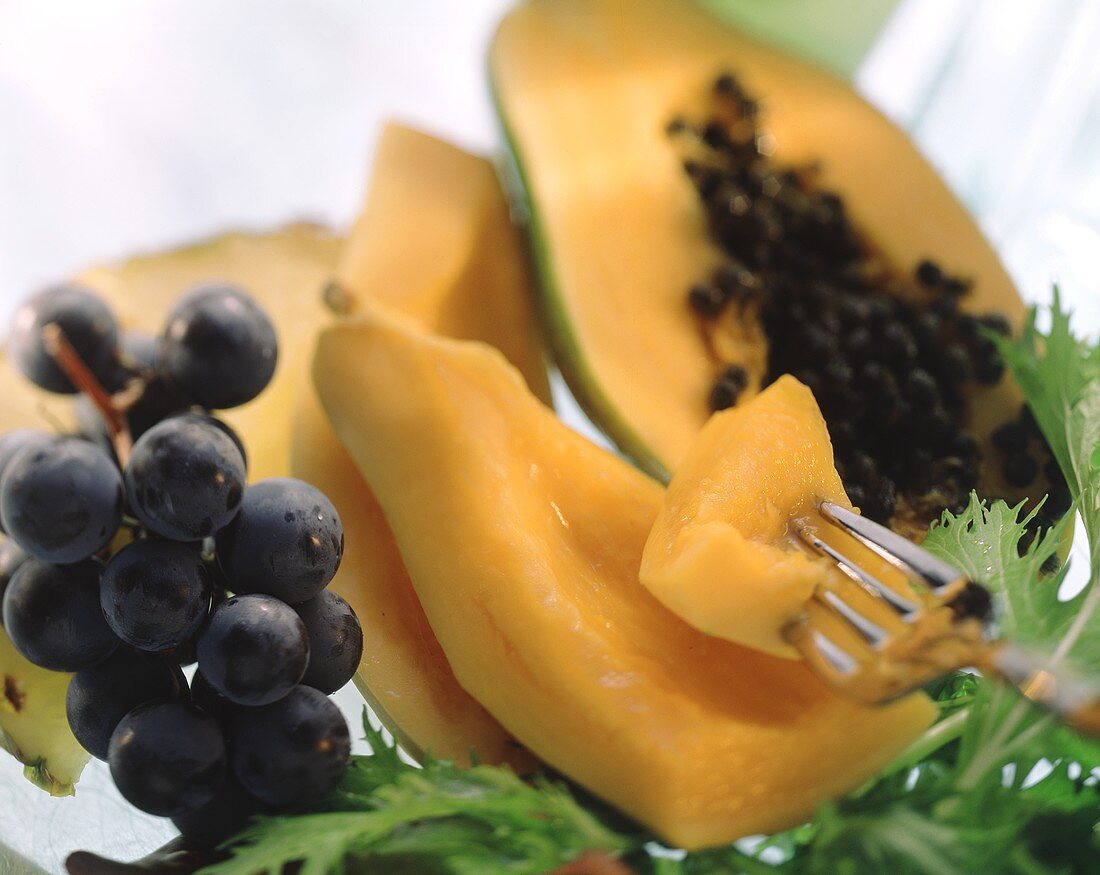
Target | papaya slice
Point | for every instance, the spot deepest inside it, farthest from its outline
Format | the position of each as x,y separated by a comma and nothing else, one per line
587,91
523,541
404,674
721,553
434,240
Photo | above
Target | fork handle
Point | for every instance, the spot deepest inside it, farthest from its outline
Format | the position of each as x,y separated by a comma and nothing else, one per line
1072,698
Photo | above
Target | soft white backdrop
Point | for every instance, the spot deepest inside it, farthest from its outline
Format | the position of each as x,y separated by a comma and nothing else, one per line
129,125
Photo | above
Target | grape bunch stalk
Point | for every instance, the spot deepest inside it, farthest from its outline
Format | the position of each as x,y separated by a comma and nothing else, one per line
136,547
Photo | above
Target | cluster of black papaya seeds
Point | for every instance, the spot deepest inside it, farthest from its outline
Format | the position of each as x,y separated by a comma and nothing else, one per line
889,357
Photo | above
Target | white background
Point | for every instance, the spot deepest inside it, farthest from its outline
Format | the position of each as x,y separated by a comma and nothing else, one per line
128,126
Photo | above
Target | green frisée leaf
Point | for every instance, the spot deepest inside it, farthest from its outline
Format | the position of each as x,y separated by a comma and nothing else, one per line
983,541
1060,377
388,814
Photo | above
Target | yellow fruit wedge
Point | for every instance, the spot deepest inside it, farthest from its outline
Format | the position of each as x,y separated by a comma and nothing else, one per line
434,240
33,725
721,554
404,674
523,542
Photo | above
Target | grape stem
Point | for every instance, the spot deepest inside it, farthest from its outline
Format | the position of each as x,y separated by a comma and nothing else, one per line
69,360
339,299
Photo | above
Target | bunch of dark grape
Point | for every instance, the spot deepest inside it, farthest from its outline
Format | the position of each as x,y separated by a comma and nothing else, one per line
136,547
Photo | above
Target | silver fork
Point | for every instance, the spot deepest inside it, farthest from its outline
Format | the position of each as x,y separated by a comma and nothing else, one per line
876,641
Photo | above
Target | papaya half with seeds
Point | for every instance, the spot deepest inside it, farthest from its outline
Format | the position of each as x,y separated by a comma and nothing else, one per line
636,171
434,240
523,541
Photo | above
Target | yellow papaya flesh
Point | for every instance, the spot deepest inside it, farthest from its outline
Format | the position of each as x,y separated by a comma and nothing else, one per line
33,725
404,674
435,241
721,554
523,542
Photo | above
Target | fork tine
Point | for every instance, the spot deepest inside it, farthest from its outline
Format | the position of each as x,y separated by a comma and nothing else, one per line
867,581
825,656
870,631
831,636
836,653
943,629
899,551
841,661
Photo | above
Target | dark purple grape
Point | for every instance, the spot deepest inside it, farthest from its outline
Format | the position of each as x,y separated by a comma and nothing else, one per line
287,541
185,478
62,499
229,432
12,442
87,323
254,650
100,696
11,557
167,758
218,347
210,700
52,615
293,752
224,816
335,641
156,594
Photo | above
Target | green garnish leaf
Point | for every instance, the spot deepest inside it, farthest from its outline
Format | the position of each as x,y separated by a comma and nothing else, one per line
388,814
984,542
1060,376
